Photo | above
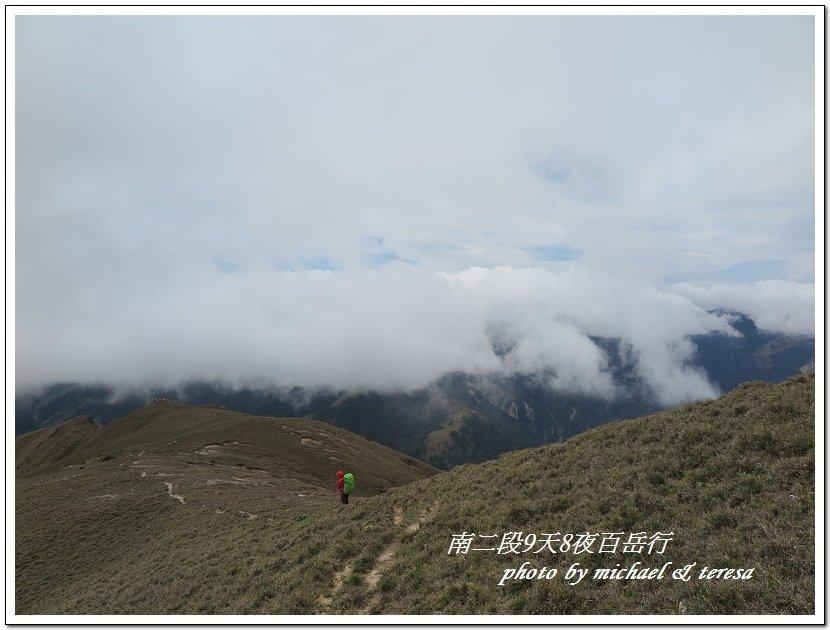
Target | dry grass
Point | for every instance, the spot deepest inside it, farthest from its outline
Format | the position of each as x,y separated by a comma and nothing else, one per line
178,509
733,479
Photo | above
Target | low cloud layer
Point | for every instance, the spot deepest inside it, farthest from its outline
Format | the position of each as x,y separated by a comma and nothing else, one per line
398,327
774,305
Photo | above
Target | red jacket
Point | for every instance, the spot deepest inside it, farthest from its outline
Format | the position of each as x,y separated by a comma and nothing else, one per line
340,482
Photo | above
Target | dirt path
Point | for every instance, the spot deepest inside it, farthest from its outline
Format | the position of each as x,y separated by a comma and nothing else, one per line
425,516
170,492
384,560
387,556
339,578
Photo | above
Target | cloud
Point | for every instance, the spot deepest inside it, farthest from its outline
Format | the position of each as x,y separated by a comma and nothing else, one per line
396,327
294,137
327,200
552,319
775,305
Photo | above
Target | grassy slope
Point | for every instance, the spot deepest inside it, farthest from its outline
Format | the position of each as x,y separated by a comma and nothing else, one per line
39,448
733,479
101,531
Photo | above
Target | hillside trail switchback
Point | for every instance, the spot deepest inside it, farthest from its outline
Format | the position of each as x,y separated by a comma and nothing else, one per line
383,562
387,556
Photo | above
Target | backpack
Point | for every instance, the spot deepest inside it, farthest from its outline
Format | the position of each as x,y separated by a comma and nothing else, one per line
348,483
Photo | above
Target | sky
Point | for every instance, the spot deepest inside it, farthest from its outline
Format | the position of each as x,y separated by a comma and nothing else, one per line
372,202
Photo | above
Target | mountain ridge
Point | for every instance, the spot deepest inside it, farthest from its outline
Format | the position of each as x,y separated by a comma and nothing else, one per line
460,418
729,483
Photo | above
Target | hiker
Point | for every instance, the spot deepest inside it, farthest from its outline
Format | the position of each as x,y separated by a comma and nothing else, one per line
345,485
344,498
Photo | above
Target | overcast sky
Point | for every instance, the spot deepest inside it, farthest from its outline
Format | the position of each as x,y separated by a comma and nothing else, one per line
373,201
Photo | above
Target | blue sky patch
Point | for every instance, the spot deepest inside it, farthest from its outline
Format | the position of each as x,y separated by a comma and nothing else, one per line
554,252
319,263
751,271
379,259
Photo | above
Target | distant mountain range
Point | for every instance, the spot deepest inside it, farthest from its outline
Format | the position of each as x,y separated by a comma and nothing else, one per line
460,418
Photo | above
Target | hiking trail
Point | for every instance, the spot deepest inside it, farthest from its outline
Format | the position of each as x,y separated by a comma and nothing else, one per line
425,516
386,558
339,578
170,492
